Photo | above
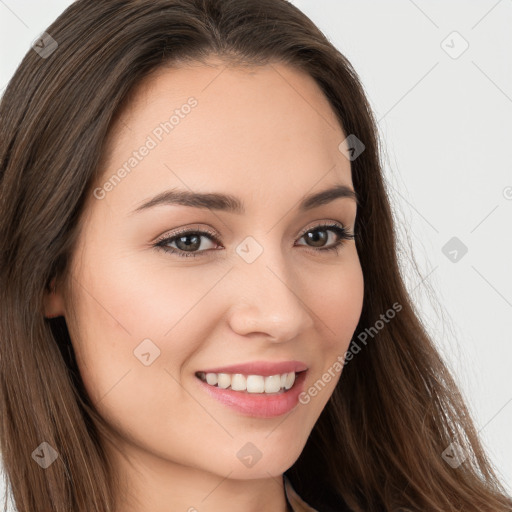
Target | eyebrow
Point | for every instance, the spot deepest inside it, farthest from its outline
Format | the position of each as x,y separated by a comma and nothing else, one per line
229,203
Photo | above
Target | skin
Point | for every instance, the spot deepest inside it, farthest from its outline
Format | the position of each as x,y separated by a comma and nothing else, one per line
268,136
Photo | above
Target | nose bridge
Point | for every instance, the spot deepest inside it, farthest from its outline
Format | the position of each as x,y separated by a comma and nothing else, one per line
267,301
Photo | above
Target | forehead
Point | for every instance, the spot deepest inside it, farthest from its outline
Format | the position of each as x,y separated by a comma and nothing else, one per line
240,126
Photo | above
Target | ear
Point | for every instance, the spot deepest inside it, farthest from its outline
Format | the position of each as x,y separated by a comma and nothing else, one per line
53,301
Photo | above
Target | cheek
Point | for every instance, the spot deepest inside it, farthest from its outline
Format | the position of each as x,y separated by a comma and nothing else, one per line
136,322
338,306
336,298
130,369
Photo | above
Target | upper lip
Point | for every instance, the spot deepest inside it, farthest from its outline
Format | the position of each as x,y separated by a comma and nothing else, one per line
263,368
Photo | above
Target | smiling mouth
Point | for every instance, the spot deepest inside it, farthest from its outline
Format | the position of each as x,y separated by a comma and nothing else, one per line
251,384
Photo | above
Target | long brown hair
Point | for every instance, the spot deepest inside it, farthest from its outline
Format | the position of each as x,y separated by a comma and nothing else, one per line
379,442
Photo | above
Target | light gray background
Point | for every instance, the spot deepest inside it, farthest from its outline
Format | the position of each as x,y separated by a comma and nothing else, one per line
445,121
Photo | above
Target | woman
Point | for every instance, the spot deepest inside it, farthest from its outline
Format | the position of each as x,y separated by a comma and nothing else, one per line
281,366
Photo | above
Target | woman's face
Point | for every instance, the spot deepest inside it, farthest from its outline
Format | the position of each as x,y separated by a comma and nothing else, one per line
255,288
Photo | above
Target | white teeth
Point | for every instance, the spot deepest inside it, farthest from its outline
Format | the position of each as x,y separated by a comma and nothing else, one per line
223,380
290,379
250,383
273,383
255,384
238,382
211,378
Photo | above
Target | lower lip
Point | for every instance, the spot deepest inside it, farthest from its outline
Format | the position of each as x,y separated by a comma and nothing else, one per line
259,405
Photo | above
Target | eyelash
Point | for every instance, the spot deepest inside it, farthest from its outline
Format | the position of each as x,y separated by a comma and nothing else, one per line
161,243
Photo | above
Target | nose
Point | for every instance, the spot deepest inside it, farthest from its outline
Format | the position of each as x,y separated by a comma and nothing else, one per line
268,300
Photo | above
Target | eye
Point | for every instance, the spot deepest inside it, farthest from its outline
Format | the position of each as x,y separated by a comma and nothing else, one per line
341,231
188,242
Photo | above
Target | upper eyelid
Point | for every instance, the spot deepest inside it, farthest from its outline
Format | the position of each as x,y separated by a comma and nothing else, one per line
326,225
185,231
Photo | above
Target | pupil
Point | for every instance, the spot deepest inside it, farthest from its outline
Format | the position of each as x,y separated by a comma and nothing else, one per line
194,245
315,238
